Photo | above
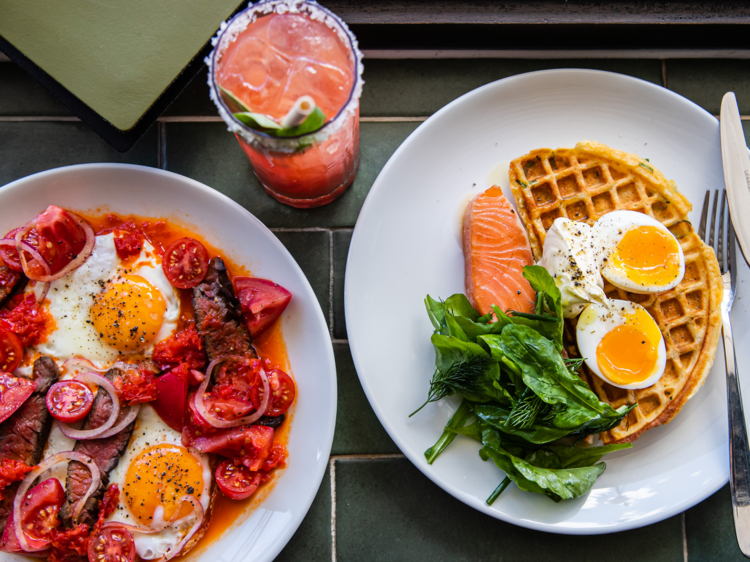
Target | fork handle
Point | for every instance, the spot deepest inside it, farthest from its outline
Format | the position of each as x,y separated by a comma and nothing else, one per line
739,449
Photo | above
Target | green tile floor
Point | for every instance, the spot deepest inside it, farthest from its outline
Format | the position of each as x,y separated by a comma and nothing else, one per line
379,505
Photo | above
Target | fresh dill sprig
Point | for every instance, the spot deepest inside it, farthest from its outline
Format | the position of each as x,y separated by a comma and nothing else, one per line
461,375
574,364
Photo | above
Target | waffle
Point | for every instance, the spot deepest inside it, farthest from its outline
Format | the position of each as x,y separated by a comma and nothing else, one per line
583,184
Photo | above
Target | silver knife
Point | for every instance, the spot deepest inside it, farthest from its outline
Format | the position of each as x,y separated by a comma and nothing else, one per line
736,170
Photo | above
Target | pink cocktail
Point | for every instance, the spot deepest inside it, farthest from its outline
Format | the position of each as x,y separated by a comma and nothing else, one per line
273,59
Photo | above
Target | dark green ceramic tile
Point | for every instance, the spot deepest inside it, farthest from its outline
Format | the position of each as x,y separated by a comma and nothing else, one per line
710,529
312,251
210,154
194,98
22,95
341,241
706,81
312,541
358,430
388,510
27,148
421,87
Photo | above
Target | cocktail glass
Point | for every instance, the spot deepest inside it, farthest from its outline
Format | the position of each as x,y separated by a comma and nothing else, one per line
269,56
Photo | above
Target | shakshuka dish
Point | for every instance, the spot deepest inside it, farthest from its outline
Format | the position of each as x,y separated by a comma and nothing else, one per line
144,387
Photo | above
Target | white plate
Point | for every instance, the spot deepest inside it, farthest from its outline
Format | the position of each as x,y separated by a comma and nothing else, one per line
150,192
405,246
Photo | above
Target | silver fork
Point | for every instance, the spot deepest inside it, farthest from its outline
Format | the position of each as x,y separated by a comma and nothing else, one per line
723,243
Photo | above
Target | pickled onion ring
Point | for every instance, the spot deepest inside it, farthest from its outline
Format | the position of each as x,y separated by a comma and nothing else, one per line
98,432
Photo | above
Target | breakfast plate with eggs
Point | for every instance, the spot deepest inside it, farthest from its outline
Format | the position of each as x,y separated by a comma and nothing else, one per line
167,384
558,366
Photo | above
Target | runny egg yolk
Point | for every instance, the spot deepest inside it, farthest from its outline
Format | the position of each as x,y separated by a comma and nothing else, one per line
159,476
628,353
128,313
648,256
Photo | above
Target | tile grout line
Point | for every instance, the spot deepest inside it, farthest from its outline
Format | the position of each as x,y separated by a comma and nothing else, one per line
332,476
664,72
366,457
684,539
330,282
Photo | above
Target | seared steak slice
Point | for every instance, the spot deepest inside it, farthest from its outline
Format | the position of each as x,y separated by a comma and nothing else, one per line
218,315
10,282
24,434
105,453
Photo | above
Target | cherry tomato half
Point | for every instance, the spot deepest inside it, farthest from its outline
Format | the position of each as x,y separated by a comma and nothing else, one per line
283,392
13,392
38,516
236,481
11,351
262,301
69,401
113,544
185,263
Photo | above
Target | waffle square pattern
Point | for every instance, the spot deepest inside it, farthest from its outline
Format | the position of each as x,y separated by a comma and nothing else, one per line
583,184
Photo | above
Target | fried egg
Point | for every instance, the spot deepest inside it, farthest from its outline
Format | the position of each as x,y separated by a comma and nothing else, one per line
640,254
153,473
621,343
106,310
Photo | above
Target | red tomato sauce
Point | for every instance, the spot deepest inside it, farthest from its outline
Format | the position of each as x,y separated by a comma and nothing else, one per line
161,232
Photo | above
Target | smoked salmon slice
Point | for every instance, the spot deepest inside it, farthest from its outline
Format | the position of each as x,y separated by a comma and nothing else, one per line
495,250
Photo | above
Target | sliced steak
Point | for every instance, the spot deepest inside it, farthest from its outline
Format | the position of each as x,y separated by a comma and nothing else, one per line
218,315
10,283
105,453
24,434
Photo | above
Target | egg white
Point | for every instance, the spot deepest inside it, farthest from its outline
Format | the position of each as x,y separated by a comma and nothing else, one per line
609,231
599,319
151,430
70,299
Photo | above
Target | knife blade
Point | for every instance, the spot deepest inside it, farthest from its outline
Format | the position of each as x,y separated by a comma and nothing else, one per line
736,162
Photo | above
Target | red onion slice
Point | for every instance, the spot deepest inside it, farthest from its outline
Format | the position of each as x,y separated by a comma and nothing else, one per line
23,248
127,420
99,432
43,467
223,424
45,289
197,513
83,255
74,362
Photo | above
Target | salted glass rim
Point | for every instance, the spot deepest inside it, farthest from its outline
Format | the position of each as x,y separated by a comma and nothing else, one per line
229,31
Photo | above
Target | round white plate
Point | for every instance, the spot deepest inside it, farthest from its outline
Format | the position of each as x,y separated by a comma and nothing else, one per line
406,245
150,192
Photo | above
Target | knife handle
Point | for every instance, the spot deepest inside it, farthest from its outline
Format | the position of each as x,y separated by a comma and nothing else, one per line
739,448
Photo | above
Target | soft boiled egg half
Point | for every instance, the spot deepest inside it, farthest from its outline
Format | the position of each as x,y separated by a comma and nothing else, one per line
640,254
621,344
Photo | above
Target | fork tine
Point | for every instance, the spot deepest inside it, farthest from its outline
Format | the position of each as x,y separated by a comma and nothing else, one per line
720,251
704,216
713,221
732,254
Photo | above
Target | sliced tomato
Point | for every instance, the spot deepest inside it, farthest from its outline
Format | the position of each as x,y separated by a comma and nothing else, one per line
185,263
128,241
251,445
171,397
113,544
14,391
11,351
136,386
26,318
283,392
38,516
60,236
10,255
69,401
184,347
236,480
262,301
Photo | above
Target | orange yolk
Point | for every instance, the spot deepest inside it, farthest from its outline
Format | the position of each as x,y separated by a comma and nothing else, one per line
128,313
648,256
159,476
628,353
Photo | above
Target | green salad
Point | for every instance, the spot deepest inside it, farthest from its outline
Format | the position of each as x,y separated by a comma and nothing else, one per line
522,400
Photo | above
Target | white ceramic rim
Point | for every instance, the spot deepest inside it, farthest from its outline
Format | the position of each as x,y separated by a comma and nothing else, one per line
316,477
416,456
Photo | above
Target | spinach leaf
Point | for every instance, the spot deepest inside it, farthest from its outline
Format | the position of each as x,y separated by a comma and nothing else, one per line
458,419
436,312
550,324
577,457
544,371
